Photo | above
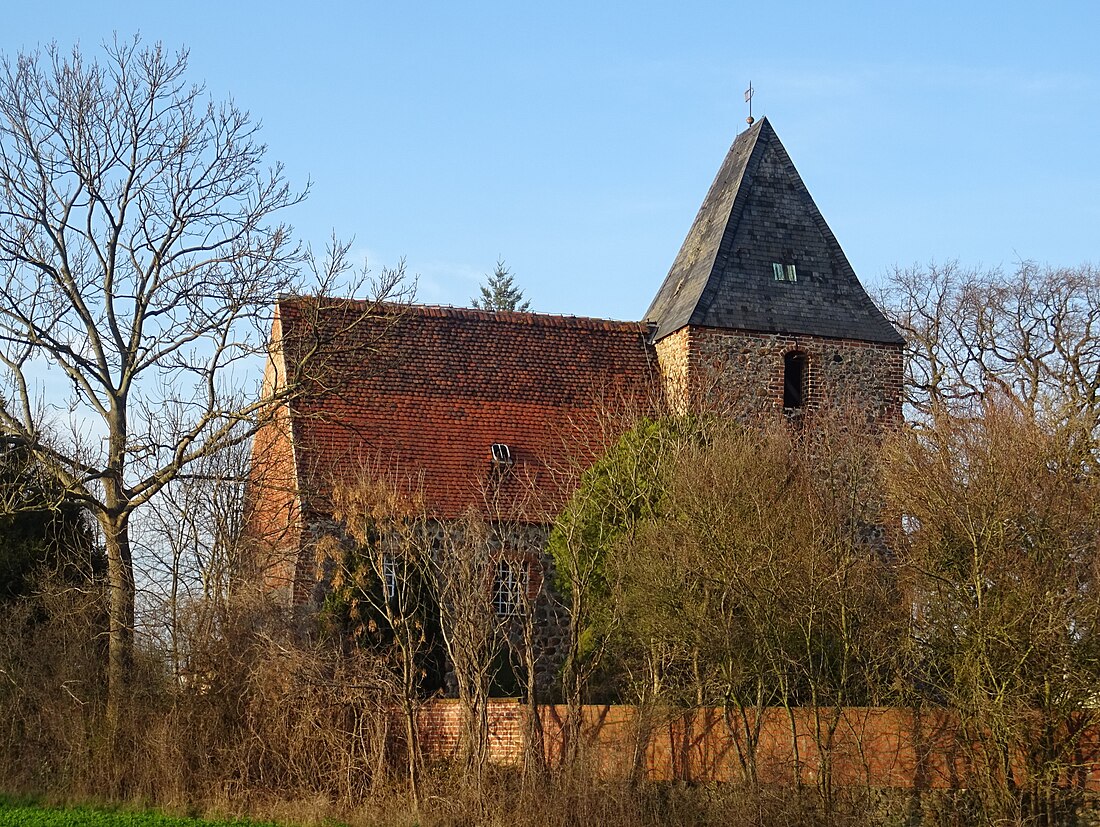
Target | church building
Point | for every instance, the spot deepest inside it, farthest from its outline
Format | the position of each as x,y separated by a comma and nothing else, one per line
761,307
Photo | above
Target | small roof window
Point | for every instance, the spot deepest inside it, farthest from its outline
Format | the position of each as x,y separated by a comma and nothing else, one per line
784,272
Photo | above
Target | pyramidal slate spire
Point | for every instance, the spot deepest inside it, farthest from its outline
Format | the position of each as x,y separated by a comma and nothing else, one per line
759,223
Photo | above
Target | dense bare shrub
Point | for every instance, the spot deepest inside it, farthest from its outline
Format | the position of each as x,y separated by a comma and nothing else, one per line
52,686
256,715
761,579
998,520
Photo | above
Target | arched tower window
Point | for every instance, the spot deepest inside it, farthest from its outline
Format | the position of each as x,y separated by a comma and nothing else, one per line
795,376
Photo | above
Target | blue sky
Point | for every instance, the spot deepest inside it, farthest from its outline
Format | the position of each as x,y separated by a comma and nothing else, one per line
577,140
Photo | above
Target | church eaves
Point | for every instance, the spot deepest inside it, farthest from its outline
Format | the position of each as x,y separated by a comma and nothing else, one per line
759,214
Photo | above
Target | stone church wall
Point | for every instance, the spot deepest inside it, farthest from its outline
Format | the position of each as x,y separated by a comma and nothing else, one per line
742,372
521,543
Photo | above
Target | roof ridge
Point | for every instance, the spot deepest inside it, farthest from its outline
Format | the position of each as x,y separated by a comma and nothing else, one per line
505,316
681,291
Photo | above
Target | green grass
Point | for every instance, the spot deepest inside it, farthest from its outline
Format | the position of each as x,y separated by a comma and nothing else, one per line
18,814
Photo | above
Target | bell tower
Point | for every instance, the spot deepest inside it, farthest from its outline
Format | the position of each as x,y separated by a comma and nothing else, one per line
761,308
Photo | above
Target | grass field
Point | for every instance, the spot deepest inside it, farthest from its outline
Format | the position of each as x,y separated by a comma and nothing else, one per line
13,814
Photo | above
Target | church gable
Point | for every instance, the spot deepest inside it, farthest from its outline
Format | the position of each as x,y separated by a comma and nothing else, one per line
760,257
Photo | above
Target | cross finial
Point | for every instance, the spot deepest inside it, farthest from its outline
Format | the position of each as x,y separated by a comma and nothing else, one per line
748,100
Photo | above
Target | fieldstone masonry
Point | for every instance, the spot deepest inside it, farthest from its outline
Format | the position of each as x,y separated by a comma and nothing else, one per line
521,543
742,372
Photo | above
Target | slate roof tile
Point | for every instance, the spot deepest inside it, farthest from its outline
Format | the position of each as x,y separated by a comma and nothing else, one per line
758,211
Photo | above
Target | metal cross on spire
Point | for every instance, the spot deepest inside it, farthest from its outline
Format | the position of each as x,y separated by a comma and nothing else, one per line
748,99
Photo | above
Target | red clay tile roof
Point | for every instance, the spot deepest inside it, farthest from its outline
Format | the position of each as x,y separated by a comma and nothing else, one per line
428,390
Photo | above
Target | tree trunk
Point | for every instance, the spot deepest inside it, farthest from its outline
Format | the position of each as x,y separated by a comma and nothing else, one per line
120,579
407,641
412,735
534,765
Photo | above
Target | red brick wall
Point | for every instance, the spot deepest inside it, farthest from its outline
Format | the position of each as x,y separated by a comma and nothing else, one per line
273,528
883,747
440,725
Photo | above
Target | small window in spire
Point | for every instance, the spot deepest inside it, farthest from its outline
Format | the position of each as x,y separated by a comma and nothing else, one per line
784,272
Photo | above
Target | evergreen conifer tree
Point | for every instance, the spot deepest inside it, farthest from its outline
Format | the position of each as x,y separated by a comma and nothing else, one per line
500,292
40,530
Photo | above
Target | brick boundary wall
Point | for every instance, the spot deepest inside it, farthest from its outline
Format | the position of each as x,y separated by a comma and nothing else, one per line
873,746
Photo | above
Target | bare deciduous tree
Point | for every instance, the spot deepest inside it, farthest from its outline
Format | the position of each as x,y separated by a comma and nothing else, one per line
1031,336
463,568
140,256
191,543
386,585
